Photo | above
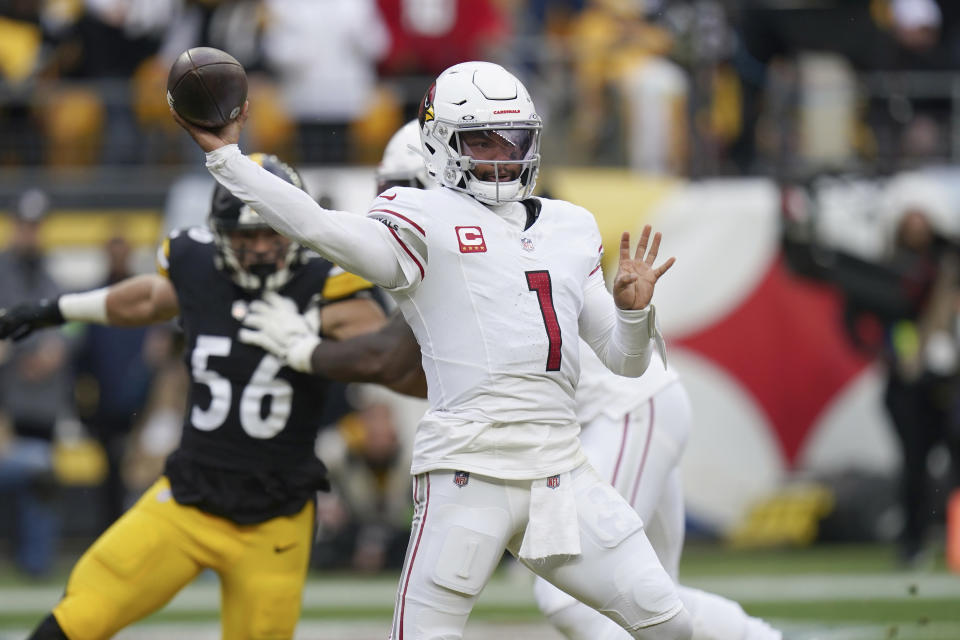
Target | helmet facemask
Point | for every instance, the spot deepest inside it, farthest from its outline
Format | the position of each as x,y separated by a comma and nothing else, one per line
500,164
235,228
255,256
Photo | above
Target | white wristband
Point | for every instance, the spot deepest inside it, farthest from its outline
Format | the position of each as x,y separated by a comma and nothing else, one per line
89,306
300,353
634,329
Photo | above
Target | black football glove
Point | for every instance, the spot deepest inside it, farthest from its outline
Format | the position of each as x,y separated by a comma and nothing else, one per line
18,322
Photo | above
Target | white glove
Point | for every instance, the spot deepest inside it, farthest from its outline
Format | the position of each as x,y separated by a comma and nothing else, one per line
274,324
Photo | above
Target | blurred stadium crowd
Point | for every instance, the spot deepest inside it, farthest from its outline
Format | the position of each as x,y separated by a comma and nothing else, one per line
793,89
697,87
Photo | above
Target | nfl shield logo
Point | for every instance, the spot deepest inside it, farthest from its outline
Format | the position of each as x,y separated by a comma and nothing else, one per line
553,482
461,478
526,244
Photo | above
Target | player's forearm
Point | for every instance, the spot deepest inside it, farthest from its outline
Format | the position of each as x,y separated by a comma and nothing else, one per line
413,383
136,301
366,358
624,340
356,243
632,342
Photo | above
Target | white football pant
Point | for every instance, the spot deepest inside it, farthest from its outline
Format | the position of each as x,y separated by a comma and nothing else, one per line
461,527
639,454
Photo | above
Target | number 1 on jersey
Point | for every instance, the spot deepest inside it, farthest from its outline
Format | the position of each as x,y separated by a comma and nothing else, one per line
539,281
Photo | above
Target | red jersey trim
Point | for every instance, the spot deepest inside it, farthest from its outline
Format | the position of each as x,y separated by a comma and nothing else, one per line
623,447
413,556
402,217
643,460
407,249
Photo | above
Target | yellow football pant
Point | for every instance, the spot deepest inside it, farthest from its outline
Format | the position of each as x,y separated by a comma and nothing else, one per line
159,546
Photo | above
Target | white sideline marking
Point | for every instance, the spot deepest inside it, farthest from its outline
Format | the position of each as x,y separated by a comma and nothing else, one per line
348,594
311,630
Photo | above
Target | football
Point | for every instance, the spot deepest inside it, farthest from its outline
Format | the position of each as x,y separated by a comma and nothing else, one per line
207,87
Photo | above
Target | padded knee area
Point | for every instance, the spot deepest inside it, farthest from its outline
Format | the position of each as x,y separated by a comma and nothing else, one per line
87,617
128,547
640,600
679,627
267,610
580,622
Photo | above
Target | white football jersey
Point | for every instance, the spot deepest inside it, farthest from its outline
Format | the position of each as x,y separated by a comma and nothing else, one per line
495,309
602,392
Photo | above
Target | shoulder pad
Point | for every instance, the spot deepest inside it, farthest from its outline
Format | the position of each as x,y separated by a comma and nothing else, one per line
178,243
343,284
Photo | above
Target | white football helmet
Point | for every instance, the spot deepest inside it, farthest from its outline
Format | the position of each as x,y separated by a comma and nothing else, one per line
402,164
481,133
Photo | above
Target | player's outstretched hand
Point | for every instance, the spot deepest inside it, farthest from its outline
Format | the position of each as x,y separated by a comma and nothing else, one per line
636,277
16,323
212,139
274,324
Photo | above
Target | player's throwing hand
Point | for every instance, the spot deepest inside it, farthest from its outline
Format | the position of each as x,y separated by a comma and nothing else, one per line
636,278
212,139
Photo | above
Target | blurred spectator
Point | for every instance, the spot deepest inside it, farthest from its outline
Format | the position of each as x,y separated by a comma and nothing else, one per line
235,26
887,35
917,27
21,56
231,25
427,36
704,45
619,67
103,45
324,53
922,392
115,368
543,15
903,308
34,393
364,522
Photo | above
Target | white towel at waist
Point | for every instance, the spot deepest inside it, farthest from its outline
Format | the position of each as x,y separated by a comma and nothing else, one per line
553,528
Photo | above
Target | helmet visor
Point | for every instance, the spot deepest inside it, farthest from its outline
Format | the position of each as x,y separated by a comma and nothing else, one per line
497,145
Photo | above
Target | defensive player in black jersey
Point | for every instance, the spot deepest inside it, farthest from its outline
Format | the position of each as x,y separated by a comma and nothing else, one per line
237,494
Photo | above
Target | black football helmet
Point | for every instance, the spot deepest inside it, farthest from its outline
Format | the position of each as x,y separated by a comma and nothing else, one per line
229,215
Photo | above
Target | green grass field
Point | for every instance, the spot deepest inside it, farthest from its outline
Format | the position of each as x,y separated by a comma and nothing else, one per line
820,593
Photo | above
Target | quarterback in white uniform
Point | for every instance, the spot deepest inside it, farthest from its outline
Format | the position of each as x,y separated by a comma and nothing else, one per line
633,430
496,287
